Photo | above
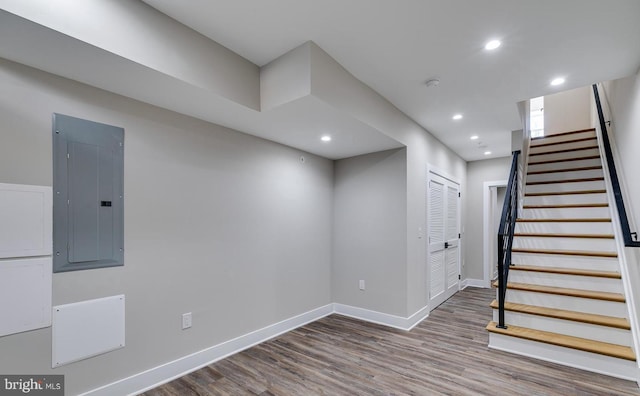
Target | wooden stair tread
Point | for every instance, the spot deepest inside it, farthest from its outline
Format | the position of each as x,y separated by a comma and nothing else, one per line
564,291
589,157
563,151
582,344
566,252
545,235
567,206
563,134
566,271
567,220
563,142
541,194
575,316
582,168
585,179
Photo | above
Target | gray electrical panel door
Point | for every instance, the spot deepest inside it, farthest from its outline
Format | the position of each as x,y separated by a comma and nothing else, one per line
88,201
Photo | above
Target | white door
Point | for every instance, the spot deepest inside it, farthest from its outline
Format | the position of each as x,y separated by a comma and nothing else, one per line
443,250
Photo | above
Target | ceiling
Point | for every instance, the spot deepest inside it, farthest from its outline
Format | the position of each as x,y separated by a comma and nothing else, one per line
396,46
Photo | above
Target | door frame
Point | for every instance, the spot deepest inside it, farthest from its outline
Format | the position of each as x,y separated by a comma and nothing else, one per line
487,215
431,169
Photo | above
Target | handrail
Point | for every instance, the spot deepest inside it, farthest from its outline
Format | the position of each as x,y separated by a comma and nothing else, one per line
615,183
505,236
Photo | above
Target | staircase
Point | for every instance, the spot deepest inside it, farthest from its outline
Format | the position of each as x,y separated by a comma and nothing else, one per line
565,299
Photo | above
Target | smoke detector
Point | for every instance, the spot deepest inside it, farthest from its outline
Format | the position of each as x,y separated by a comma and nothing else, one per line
434,82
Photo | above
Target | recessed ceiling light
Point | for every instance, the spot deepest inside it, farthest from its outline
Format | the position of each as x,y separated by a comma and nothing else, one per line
326,138
491,45
474,137
487,153
457,117
557,81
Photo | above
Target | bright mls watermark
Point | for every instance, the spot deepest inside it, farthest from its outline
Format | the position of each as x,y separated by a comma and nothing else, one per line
42,385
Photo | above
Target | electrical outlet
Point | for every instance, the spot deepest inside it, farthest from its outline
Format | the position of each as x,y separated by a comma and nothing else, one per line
361,284
186,320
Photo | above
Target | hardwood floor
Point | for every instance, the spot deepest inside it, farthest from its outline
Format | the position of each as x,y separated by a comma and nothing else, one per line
446,354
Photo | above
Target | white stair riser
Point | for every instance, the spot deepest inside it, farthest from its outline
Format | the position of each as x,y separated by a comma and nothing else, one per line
564,187
567,327
574,262
562,138
585,244
569,281
619,368
567,213
561,156
566,199
557,259
532,167
587,305
564,227
563,146
564,175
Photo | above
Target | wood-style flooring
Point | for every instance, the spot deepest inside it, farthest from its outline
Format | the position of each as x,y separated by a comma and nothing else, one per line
446,354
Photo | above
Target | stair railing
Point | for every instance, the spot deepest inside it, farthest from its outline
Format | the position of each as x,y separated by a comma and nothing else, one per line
615,183
505,236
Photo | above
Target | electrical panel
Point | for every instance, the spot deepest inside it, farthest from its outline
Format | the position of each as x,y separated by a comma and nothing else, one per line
88,194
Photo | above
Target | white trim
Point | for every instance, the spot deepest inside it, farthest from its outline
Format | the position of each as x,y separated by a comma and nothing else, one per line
389,320
486,225
474,283
441,173
164,373
169,371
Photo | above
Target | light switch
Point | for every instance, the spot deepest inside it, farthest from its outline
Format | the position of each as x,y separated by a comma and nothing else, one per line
186,320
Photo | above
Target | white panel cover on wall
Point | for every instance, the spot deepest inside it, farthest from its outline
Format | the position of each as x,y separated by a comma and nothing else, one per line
25,294
25,278
88,328
25,220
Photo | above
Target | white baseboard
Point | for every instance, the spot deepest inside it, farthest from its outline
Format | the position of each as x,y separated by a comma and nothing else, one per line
164,373
394,321
473,283
156,376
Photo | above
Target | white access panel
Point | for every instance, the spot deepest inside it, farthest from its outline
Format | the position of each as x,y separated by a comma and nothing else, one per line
25,220
88,328
25,294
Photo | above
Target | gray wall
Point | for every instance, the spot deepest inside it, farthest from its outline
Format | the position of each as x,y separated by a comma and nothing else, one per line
567,111
369,238
136,31
333,84
230,227
623,96
479,172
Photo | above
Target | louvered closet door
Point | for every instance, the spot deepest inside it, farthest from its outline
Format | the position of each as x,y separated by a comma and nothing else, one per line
443,241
